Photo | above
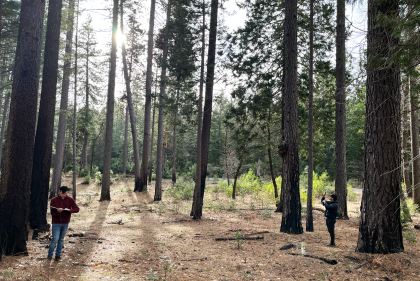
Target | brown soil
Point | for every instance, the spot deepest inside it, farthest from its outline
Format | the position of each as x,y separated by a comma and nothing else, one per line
122,243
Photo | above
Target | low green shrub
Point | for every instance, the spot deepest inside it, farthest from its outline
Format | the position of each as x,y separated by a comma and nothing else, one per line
181,190
84,172
86,179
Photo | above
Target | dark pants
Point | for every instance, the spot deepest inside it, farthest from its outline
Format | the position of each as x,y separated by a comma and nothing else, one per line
330,226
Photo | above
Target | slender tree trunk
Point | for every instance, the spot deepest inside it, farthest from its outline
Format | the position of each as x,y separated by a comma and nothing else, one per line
226,159
75,108
236,177
380,224
174,139
270,159
291,217
205,134
148,101
165,150
93,147
197,188
159,151
85,131
15,180
405,135
415,152
309,216
132,116
340,112
44,132
61,132
3,124
152,139
106,178
125,138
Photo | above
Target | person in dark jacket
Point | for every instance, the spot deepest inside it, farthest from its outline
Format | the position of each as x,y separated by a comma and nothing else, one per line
331,214
62,206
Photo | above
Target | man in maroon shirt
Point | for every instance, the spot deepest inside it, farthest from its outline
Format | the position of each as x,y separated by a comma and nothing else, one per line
62,206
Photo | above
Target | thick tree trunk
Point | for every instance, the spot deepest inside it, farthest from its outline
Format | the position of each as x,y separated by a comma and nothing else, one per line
208,102
148,102
405,135
291,217
44,132
132,116
415,154
106,177
3,124
380,225
340,112
309,215
197,188
125,140
15,180
174,139
159,153
61,131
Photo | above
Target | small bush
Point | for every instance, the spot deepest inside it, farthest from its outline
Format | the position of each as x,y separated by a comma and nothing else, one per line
98,178
410,236
86,180
181,190
84,172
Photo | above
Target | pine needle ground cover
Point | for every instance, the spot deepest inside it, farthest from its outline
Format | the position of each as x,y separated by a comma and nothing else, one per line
134,238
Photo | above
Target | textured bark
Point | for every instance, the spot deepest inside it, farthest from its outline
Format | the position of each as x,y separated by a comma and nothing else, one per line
106,177
87,94
236,177
291,216
415,154
131,110
44,132
197,187
380,226
61,131
152,139
74,174
340,112
270,158
3,124
125,140
174,139
159,153
148,102
405,135
309,215
208,102
15,180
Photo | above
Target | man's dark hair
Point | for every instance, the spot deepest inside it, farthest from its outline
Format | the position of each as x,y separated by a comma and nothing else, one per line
333,196
64,189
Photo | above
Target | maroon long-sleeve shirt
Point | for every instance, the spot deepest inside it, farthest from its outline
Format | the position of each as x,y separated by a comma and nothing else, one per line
66,203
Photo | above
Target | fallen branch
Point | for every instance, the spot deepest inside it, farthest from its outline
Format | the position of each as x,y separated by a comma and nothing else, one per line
202,259
240,238
255,233
333,262
318,209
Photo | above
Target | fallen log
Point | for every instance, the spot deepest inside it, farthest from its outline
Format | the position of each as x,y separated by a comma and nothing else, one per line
240,238
333,262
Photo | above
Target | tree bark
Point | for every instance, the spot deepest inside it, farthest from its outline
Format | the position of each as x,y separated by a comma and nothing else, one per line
61,131
380,224
148,102
208,102
132,116
309,215
106,177
405,135
340,112
291,216
44,132
125,137
197,187
159,153
415,153
270,158
152,139
236,177
85,131
3,124
174,139
15,180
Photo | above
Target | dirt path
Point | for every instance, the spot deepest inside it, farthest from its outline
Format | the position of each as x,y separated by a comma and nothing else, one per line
133,238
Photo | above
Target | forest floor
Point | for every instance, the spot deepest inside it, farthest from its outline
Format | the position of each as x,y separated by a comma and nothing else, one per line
134,238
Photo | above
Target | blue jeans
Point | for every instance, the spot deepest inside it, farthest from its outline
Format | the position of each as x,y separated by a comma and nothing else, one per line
58,232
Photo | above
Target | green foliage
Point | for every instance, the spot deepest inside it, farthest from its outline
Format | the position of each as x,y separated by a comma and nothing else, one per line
84,172
266,213
190,174
239,238
86,179
231,205
7,274
160,208
410,236
88,199
98,178
181,190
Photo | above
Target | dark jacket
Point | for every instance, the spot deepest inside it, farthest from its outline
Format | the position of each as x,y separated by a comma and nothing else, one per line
66,203
331,208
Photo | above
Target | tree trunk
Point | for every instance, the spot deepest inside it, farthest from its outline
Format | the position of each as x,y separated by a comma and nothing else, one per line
15,180
106,177
132,116
45,127
197,188
159,153
165,150
152,139
3,124
291,217
226,158
309,216
125,139
415,152
148,102
174,139
236,177
405,135
380,224
85,131
205,134
75,108
340,112
61,131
